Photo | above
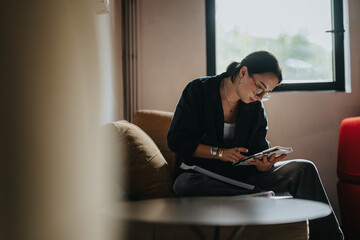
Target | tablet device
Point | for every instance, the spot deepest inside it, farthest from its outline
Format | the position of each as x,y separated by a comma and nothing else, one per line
268,152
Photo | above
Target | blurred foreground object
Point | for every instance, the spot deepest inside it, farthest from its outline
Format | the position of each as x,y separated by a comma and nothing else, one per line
53,183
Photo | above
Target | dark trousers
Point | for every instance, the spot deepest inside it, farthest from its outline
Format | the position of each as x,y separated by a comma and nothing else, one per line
298,177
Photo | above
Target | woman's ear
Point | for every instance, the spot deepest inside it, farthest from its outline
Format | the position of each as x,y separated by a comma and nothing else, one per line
243,71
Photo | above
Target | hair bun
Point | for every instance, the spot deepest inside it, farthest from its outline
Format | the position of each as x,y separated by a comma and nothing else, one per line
231,68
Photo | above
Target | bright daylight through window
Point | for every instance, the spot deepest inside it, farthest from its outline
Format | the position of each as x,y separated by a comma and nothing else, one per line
306,36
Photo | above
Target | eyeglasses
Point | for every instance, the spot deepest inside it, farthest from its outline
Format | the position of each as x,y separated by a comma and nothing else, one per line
261,93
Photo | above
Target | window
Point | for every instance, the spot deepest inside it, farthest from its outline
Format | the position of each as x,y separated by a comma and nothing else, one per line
306,36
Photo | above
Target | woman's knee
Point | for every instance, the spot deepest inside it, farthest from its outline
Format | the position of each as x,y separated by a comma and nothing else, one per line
297,166
306,164
301,163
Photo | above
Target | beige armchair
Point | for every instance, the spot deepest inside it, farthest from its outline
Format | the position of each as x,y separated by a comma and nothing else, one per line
148,168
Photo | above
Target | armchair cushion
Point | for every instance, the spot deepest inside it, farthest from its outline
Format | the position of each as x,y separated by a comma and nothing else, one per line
156,124
147,174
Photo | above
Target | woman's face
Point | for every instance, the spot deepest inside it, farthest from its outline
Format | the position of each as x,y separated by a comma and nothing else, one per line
253,88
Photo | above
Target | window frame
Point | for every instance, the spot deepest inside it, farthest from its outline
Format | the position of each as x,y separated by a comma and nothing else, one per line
337,32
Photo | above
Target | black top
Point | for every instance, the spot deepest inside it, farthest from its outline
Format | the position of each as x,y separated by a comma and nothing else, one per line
199,119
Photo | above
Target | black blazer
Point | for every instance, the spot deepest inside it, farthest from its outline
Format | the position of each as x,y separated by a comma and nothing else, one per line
199,118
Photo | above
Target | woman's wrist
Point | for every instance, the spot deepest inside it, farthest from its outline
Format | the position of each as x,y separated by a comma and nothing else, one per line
216,152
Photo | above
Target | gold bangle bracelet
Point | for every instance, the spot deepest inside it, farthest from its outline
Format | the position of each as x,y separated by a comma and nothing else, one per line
221,152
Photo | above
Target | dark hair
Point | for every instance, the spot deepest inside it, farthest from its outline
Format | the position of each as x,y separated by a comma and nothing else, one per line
256,62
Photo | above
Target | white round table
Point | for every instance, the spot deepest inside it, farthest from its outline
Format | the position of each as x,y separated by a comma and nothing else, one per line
219,211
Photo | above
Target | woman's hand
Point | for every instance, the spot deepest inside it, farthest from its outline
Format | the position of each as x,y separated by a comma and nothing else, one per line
231,154
266,163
